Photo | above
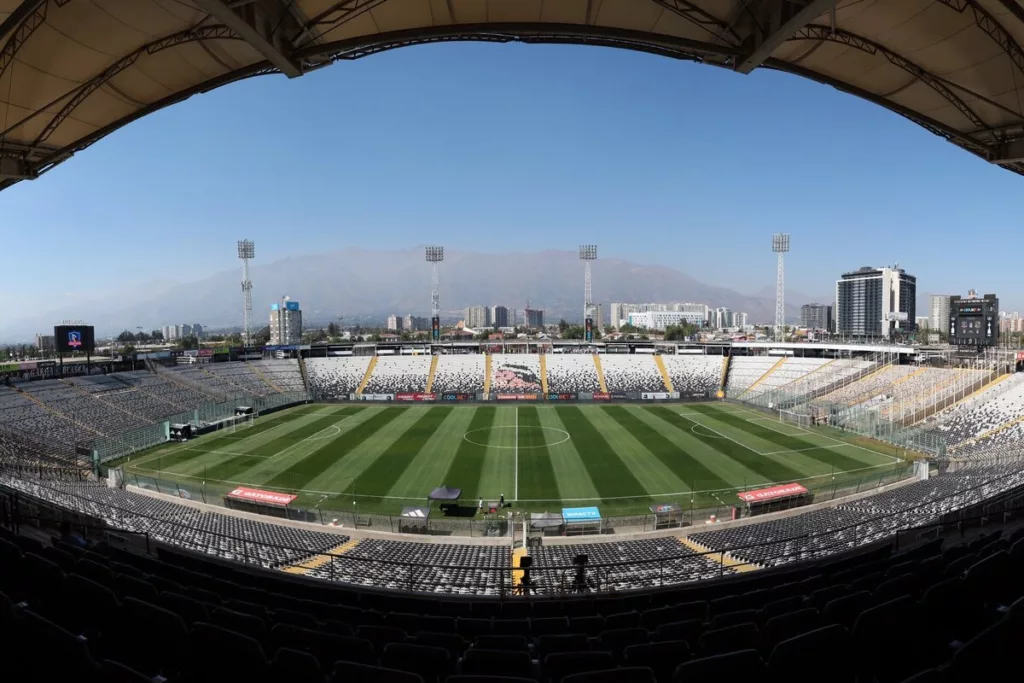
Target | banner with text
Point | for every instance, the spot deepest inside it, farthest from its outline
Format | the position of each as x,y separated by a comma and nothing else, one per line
415,397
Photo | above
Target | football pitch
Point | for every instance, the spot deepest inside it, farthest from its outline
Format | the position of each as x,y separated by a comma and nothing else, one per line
620,457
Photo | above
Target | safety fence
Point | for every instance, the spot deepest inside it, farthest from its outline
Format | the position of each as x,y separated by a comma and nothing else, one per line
107,448
992,500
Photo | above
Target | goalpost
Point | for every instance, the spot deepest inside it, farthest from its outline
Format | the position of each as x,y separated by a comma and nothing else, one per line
241,422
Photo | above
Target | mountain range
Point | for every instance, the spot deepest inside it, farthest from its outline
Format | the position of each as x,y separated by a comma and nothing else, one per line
362,284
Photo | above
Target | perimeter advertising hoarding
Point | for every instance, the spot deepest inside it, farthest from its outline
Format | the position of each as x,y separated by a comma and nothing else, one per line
657,395
561,397
74,338
772,493
415,397
457,397
601,396
517,397
376,397
264,497
435,328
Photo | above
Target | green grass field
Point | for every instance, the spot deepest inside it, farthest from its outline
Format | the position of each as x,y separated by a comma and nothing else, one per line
619,457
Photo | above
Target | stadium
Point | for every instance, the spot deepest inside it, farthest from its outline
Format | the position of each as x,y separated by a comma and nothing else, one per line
490,512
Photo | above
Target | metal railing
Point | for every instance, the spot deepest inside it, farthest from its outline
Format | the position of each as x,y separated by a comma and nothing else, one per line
999,494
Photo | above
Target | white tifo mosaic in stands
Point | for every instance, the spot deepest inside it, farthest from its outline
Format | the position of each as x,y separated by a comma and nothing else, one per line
1001,405
745,370
336,377
573,372
631,373
515,373
459,373
399,374
694,374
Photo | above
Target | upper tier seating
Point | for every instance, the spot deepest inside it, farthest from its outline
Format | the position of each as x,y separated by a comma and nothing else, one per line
459,373
869,386
791,370
183,397
336,377
631,373
399,374
284,374
572,372
205,381
986,412
744,371
694,375
835,372
516,373
22,413
242,377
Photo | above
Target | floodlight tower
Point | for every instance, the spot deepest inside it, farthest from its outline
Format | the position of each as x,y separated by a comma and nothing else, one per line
780,245
246,251
588,253
435,255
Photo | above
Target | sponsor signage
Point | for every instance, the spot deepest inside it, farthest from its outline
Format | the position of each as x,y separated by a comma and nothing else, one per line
264,497
654,395
772,493
291,305
587,514
664,508
205,353
619,396
601,396
516,397
561,397
456,397
377,397
10,367
415,397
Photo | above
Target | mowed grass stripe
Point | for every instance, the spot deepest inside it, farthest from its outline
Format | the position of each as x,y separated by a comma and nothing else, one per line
224,440
319,461
611,477
225,470
381,475
824,455
685,466
747,457
536,475
464,470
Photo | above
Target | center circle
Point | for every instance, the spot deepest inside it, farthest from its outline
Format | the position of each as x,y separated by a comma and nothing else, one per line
565,436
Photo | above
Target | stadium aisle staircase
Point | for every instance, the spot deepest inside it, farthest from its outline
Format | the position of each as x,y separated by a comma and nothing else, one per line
763,377
318,561
725,374
600,373
302,371
433,371
487,373
56,412
664,372
804,377
266,380
723,559
517,574
366,377
544,373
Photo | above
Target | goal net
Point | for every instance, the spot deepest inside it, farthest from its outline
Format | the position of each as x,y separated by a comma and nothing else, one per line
241,422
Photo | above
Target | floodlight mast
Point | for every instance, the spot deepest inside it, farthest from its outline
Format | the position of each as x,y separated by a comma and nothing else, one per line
246,251
588,253
435,255
780,245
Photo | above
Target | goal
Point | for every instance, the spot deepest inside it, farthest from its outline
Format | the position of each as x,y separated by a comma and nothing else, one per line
241,422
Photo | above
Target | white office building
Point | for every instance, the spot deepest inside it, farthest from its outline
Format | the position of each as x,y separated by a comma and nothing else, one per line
938,312
285,323
477,317
659,320
394,323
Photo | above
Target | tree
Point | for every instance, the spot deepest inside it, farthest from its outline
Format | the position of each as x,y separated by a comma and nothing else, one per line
573,332
191,342
628,328
680,332
128,350
126,336
562,326
156,335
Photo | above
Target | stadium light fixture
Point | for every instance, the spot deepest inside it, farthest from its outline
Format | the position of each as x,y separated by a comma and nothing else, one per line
780,245
246,251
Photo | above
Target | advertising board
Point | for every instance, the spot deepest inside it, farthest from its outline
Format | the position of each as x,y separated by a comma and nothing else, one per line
654,395
457,397
415,397
205,353
258,496
772,493
291,305
516,397
376,397
601,396
619,396
561,397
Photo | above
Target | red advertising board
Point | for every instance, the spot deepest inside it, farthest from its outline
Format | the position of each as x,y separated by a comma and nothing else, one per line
205,353
414,397
601,396
1020,356
772,493
264,497
517,397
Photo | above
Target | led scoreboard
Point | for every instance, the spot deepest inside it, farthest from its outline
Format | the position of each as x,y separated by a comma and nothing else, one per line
974,320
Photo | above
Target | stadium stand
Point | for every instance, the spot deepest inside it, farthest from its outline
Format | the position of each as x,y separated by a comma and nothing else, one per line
283,375
631,373
791,370
572,372
831,377
21,412
744,371
241,376
869,386
336,378
398,374
694,375
517,373
204,380
82,408
985,413
181,397
459,373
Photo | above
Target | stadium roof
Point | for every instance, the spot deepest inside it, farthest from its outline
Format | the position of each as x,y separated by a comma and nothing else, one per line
73,71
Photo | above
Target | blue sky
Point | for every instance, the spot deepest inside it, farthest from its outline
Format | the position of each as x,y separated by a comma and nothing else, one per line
516,147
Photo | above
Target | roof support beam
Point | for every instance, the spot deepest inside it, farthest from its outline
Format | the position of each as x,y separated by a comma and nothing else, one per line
1008,153
263,25
781,20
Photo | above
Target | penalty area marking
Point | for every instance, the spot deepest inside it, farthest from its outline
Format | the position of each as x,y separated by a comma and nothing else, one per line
708,432
565,436
325,433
